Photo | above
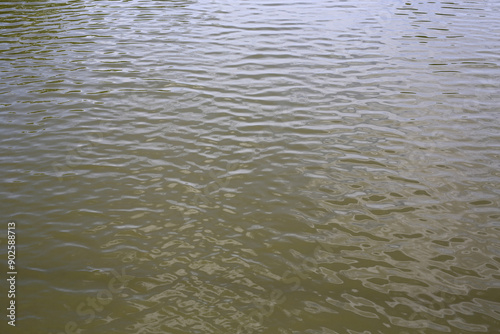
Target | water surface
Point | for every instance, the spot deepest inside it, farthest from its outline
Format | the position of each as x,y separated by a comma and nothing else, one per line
252,166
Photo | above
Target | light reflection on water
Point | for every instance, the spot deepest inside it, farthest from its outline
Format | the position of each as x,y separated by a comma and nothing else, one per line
253,167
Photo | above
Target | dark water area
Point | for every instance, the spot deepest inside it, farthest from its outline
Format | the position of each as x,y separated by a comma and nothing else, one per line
251,166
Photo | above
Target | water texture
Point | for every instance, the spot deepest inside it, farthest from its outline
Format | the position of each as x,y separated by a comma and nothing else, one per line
258,166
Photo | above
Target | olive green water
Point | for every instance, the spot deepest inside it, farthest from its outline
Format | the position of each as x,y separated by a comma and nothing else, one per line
251,166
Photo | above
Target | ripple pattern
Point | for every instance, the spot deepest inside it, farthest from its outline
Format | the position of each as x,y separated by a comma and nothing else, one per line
252,166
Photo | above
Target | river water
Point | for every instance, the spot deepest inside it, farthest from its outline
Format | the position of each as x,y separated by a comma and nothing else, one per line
258,166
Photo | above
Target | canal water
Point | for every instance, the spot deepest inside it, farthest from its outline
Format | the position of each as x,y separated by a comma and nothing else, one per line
251,166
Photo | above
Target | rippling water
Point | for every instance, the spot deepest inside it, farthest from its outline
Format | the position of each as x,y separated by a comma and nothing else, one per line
252,166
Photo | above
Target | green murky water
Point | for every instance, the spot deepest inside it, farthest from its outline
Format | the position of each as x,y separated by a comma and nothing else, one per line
251,166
